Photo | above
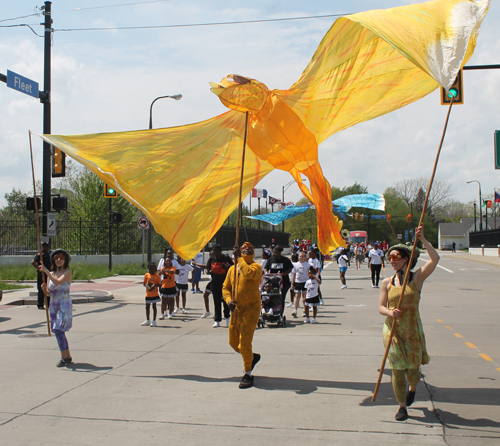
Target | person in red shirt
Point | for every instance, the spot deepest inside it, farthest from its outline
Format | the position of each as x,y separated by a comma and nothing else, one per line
152,282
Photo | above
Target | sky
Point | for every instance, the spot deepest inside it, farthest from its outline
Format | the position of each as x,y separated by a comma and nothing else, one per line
105,81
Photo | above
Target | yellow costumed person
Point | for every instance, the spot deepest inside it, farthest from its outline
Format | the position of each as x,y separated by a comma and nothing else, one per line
245,307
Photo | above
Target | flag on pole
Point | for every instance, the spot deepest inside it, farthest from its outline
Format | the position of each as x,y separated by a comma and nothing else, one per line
488,204
273,200
259,193
497,197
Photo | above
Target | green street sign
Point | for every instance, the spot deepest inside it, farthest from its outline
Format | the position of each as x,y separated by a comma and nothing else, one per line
497,149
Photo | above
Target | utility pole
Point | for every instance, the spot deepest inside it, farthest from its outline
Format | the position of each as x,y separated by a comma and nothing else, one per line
45,100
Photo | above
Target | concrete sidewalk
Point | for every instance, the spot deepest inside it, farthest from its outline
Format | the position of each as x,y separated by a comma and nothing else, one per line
178,382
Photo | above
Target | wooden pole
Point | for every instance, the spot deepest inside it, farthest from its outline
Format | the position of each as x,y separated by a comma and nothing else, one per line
39,237
407,273
237,242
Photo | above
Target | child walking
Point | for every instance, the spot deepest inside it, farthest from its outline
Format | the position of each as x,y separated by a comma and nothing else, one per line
181,281
299,280
152,282
168,291
343,261
312,297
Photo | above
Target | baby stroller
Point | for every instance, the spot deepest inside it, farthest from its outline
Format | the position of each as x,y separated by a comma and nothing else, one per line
271,286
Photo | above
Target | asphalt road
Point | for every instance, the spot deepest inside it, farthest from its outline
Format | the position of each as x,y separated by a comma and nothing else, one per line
178,382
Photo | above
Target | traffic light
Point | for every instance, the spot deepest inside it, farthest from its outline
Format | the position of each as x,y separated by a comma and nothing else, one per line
361,216
58,163
109,191
408,218
30,204
356,215
116,217
59,203
389,218
456,90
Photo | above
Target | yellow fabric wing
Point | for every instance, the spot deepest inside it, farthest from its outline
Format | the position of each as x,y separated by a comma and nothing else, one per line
185,179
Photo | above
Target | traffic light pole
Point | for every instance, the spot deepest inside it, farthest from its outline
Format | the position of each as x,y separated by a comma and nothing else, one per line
110,235
46,189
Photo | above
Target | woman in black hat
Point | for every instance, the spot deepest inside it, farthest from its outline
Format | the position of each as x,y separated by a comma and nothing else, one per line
60,308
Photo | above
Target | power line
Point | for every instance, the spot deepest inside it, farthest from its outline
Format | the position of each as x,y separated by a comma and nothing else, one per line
203,24
21,24
112,6
21,17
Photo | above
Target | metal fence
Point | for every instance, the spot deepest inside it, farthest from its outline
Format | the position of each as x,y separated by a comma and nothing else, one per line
92,237
490,238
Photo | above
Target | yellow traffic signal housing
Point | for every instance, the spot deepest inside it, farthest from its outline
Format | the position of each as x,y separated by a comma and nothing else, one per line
58,163
361,217
408,218
389,218
109,191
456,90
356,215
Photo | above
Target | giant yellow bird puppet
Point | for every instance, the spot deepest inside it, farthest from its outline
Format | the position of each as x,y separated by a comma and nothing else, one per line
367,65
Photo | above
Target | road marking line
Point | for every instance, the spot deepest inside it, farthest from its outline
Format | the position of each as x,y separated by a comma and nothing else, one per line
470,345
439,266
439,320
486,357
448,327
458,335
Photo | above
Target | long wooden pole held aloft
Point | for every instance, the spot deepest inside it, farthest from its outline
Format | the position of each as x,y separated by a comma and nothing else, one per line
39,237
237,242
405,281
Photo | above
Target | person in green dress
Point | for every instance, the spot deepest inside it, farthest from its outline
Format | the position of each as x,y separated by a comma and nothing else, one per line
407,351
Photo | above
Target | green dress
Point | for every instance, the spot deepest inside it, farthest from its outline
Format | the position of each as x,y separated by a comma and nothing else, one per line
407,349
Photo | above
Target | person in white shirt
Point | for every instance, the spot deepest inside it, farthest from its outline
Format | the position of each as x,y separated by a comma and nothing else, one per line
343,261
312,296
360,255
316,264
299,279
375,262
181,282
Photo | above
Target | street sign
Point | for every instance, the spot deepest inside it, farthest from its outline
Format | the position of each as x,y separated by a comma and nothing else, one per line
378,217
406,235
143,223
22,84
400,236
51,224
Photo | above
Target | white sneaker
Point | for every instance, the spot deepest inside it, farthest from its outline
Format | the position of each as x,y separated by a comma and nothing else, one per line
227,321
175,310
170,316
294,313
216,325
146,323
373,286
290,305
321,301
313,321
205,315
307,320
343,287
184,311
303,314
270,312
162,316
153,324
263,311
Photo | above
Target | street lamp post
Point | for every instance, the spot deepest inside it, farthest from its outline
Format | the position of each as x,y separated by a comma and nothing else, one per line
176,97
480,204
283,189
475,226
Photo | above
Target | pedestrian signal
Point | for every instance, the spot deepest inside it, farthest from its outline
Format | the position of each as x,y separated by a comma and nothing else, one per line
30,204
58,163
109,191
455,91
408,218
389,218
117,217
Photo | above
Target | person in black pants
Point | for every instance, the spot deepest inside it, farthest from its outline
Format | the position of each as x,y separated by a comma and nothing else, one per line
217,267
47,263
280,264
375,262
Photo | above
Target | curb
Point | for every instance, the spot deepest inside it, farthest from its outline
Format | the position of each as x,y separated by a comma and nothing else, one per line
76,299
